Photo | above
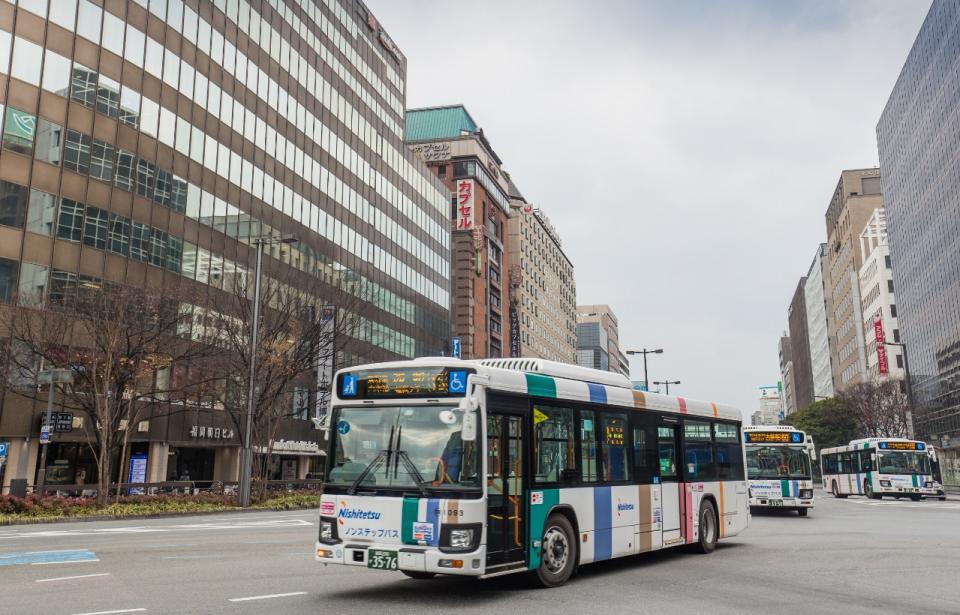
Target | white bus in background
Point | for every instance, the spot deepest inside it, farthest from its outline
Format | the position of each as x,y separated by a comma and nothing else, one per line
875,467
937,475
486,468
779,468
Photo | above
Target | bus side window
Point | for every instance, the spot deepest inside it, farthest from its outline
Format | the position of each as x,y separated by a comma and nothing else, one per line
554,453
698,451
588,446
727,443
645,454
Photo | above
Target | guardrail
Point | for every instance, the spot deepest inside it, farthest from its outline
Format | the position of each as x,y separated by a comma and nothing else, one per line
179,487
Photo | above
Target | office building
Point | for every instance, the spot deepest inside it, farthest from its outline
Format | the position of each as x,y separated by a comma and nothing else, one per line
816,310
770,406
879,302
918,137
152,143
456,149
785,352
800,348
598,340
543,295
854,200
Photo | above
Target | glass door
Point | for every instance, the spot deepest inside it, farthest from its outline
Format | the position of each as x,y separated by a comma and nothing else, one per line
505,502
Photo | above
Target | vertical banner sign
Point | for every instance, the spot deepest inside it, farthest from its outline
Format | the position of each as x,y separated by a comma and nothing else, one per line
514,332
455,347
882,365
326,353
138,471
464,204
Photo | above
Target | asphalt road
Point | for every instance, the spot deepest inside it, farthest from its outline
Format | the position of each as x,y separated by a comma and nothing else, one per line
848,556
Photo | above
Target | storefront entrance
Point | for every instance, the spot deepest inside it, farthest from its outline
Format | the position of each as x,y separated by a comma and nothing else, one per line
189,463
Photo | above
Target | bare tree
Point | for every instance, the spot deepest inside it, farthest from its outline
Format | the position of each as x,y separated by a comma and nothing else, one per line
304,323
880,408
115,339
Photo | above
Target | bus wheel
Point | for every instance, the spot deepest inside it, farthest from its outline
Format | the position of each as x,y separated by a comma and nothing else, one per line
420,576
915,497
836,491
708,528
803,511
868,491
558,552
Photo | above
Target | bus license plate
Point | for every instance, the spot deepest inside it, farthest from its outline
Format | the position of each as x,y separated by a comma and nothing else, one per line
382,560
776,502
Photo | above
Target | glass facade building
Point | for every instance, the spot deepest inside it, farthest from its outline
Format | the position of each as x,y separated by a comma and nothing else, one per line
918,136
149,140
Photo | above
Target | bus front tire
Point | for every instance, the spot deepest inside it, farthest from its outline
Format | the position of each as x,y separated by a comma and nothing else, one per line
420,576
709,528
869,492
803,511
558,552
836,491
915,497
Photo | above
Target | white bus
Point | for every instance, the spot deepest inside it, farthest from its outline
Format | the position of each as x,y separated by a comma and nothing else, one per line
875,467
486,468
779,469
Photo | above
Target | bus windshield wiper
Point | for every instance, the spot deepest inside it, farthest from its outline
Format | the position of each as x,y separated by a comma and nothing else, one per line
381,457
401,455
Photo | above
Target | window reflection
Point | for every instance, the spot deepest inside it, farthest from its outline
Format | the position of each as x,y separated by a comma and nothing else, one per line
113,28
27,58
49,142
41,212
56,73
64,14
88,21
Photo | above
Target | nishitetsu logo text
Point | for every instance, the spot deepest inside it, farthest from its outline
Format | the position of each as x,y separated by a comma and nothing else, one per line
356,513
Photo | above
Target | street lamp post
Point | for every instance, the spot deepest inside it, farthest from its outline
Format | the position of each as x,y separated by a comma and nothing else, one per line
666,383
906,379
246,453
51,376
645,352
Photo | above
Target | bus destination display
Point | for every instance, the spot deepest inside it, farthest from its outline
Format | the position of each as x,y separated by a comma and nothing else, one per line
773,437
902,446
404,382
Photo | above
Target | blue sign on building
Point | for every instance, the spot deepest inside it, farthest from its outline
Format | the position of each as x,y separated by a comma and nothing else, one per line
3,449
455,347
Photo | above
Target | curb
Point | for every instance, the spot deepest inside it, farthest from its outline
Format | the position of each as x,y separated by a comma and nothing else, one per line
172,515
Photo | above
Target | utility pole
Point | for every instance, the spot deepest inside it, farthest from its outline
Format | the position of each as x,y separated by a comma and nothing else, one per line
51,376
645,352
666,383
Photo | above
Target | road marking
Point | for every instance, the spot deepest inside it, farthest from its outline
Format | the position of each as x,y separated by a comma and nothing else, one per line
187,527
266,597
140,610
81,576
198,556
35,558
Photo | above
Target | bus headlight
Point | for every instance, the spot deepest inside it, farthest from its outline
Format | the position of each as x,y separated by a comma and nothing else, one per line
928,484
326,531
884,483
460,538
806,494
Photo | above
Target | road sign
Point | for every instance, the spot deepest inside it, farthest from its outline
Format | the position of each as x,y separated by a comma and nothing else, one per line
45,435
455,348
62,421
3,449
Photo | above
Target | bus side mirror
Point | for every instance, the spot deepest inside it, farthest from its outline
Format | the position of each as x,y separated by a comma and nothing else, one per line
469,406
813,454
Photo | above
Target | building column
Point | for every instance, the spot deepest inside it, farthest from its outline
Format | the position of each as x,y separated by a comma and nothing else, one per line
226,464
303,466
157,462
18,459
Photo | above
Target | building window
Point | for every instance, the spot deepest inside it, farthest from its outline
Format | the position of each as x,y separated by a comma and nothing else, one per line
70,222
19,130
13,204
890,285
63,288
108,96
33,284
27,58
83,86
101,161
41,212
140,243
49,141
76,154
8,279
900,361
95,230
896,335
125,177
893,310
886,260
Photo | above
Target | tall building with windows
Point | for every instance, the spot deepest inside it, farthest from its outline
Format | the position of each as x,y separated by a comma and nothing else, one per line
598,340
456,149
800,348
918,137
879,302
787,374
854,200
150,142
543,306
818,341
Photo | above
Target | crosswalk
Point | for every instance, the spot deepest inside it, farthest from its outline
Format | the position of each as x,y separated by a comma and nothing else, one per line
934,505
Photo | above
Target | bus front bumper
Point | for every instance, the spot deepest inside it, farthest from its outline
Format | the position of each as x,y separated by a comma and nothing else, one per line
765,502
909,491
407,557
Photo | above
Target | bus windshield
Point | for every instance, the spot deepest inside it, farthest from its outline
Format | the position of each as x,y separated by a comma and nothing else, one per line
904,462
402,446
777,462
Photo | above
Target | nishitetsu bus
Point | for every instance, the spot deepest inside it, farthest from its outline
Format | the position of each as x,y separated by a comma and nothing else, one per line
442,466
779,472
876,467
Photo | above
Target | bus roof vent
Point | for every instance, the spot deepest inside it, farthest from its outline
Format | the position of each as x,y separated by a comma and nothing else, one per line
560,370
769,428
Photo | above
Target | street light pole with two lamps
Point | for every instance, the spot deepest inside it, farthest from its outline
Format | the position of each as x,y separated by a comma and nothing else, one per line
909,385
667,383
246,453
645,352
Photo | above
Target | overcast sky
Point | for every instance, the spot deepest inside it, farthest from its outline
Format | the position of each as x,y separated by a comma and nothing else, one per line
685,151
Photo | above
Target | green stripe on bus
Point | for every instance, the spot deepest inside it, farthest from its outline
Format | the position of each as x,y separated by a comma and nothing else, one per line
915,483
411,508
541,386
870,480
785,488
538,517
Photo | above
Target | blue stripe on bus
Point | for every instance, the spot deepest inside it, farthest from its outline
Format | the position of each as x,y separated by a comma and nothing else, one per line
602,523
796,488
433,516
598,393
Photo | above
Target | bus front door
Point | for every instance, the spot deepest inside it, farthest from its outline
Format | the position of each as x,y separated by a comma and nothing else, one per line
505,503
668,440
